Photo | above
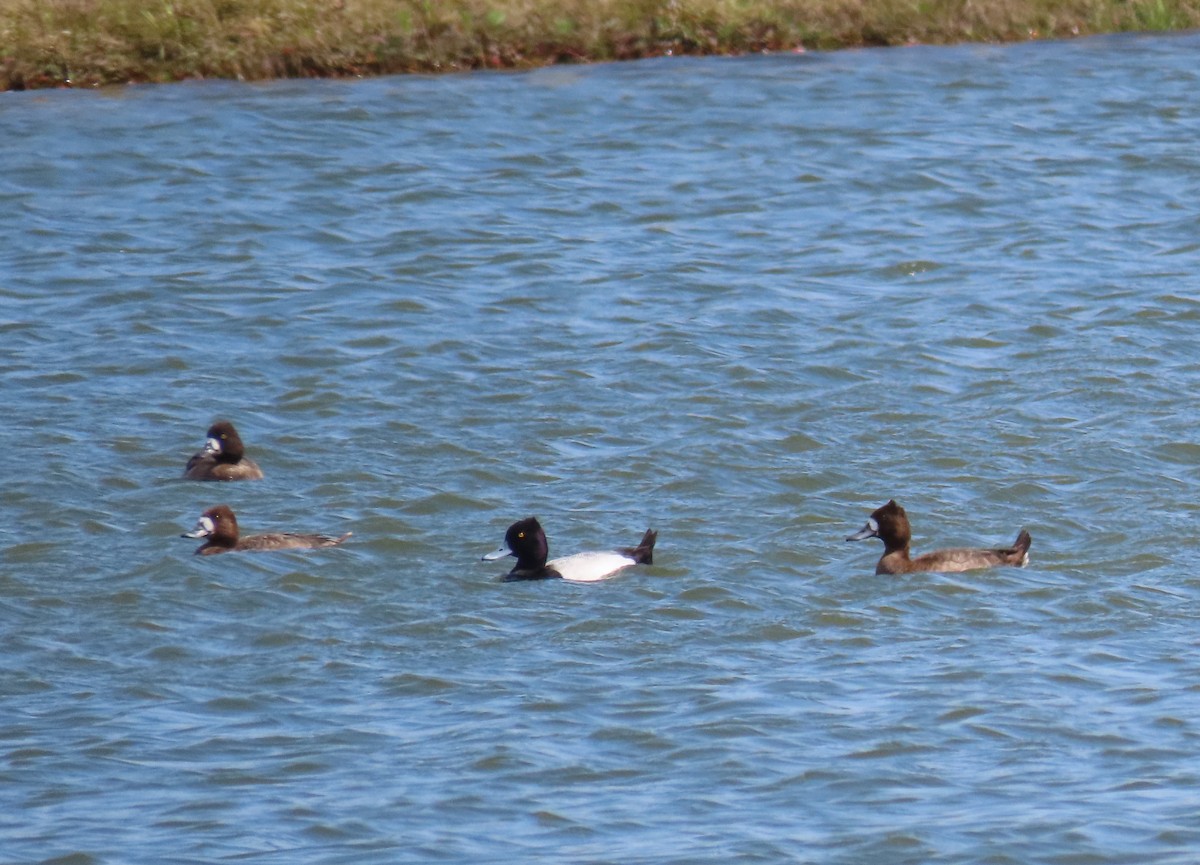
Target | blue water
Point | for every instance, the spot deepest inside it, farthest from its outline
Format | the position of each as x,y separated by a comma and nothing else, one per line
742,301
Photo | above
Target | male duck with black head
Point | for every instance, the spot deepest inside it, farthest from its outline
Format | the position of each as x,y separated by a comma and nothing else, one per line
223,458
526,540
890,524
219,526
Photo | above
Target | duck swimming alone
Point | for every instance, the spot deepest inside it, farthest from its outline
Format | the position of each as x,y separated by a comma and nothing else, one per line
223,457
219,526
526,540
890,524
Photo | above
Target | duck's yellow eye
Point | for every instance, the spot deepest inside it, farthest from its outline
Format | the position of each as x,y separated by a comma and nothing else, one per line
520,534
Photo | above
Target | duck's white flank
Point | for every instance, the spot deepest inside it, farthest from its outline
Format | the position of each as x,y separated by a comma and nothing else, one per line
590,567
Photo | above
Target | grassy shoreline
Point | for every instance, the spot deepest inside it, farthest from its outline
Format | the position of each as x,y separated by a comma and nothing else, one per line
81,43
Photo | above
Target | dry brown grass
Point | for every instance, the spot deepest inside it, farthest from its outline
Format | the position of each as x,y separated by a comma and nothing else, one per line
88,42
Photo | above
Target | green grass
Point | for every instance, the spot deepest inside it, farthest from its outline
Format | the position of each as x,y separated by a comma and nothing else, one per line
54,43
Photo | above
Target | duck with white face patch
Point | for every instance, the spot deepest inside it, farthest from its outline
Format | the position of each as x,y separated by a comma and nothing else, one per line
223,457
219,527
890,524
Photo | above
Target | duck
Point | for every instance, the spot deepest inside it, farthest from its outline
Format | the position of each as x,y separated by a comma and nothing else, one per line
526,540
890,524
219,526
223,457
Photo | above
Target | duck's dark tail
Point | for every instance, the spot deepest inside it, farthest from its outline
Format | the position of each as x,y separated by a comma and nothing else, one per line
643,553
1019,554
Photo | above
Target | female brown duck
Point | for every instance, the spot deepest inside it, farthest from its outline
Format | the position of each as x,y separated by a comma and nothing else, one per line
219,526
223,458
890,524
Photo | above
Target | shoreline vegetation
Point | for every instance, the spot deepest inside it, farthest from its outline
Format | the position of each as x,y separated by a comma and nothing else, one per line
87,43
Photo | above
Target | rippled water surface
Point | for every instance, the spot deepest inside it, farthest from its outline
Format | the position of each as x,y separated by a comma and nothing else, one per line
743,301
